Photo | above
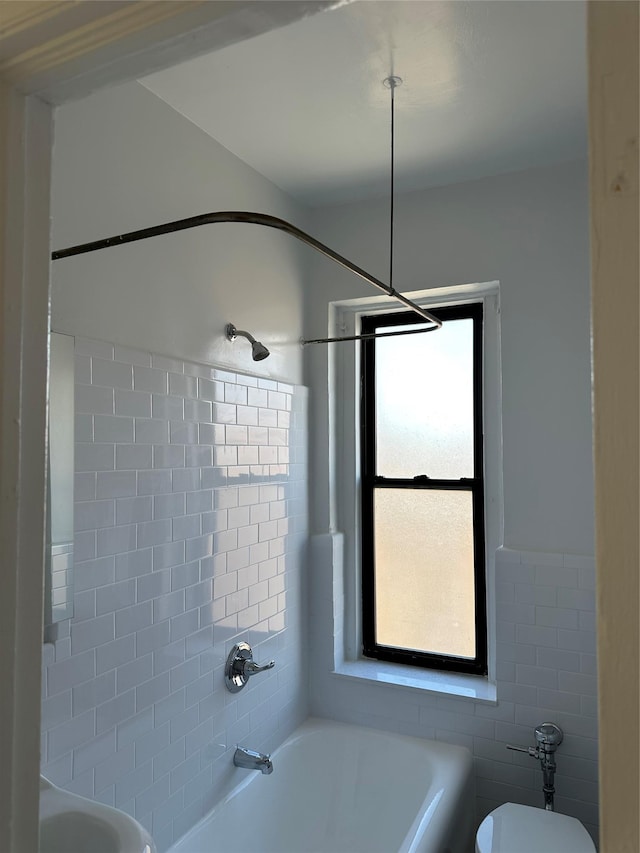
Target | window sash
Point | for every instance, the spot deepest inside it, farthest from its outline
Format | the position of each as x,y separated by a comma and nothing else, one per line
371,481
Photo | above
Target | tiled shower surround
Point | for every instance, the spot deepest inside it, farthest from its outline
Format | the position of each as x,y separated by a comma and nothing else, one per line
546,672
190,520
191,528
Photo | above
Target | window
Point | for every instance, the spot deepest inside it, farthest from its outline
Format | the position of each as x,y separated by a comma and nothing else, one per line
422,491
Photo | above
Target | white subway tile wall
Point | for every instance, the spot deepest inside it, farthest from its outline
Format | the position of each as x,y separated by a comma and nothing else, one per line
546,671
191,531
546,659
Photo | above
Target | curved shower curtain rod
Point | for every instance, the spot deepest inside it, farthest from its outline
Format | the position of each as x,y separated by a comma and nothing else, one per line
253,219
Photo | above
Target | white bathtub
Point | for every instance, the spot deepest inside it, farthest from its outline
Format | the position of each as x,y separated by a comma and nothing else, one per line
338,788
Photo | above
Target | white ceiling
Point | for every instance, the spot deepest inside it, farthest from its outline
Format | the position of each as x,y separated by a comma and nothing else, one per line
489,87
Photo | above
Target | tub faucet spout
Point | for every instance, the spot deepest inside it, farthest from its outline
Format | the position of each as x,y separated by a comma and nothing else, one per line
252,760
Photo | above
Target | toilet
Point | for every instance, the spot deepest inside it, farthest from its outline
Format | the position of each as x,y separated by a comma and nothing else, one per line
512,828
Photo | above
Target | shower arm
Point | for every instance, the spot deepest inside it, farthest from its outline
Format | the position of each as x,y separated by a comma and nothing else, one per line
252,219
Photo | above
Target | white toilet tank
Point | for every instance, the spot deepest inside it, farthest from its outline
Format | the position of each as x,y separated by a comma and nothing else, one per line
512,828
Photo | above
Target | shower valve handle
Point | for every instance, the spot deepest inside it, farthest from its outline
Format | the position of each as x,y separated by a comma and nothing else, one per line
240,667
251,668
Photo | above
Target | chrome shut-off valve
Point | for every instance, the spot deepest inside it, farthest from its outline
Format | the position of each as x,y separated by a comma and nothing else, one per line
548,738
240,667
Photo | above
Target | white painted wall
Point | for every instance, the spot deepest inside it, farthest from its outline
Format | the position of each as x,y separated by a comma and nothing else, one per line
125,160
529,231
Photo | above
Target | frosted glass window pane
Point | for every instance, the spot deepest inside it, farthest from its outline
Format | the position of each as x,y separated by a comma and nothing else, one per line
424,587
424,402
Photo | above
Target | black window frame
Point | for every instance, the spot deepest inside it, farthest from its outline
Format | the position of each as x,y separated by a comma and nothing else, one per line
370,481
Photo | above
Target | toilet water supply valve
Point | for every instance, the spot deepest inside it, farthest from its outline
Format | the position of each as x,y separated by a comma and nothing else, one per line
548,739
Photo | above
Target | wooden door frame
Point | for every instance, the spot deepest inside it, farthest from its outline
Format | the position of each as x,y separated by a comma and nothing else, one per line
613,186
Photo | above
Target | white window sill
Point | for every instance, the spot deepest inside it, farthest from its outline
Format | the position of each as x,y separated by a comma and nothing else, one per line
456,685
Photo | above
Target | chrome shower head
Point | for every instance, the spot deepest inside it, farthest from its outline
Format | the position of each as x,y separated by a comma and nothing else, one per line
258,350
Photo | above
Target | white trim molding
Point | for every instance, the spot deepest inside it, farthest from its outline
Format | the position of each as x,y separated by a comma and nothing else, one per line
25,155
343,405
66,50
94,27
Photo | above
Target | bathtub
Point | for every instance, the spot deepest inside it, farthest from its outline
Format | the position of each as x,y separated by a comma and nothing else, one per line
338,788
